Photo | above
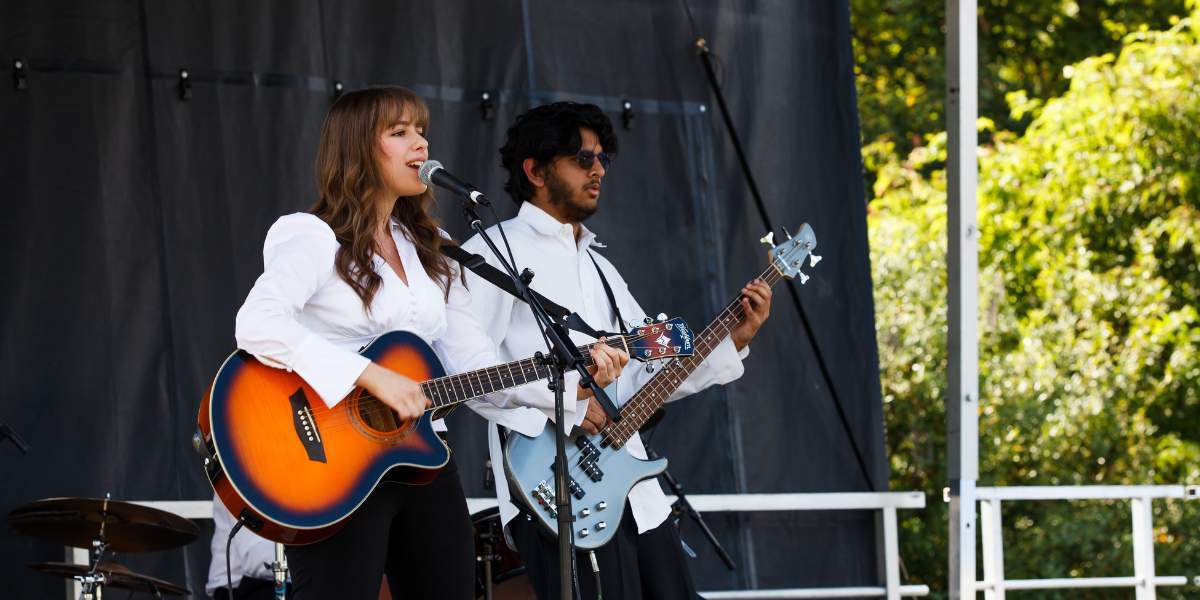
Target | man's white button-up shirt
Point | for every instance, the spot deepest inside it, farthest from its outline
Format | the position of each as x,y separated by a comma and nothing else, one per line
565,274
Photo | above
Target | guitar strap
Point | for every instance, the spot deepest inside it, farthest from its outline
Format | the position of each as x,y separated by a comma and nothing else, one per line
500,279
612,300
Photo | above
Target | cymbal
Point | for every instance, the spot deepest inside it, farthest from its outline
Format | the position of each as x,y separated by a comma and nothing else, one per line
116,575
127,527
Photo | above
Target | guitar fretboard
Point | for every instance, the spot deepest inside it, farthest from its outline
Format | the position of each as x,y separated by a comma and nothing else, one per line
453,389
656,391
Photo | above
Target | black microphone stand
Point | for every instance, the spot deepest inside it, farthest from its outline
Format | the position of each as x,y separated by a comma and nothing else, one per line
7,433
685,506
681,504
563,355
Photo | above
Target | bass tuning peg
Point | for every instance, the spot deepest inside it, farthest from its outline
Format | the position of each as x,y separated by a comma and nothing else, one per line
768,239
661,317
813,259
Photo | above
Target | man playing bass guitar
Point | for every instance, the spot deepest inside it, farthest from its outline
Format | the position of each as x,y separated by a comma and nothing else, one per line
556,157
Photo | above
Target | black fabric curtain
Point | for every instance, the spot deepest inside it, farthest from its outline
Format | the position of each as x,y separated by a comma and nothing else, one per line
132,225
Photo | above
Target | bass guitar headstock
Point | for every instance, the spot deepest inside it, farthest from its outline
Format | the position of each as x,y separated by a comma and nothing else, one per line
663,339
788,256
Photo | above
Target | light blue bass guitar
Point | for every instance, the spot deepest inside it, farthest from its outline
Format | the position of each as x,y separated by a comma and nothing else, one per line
601,471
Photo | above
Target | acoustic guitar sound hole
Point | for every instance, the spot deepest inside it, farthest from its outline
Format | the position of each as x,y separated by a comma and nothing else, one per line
377,420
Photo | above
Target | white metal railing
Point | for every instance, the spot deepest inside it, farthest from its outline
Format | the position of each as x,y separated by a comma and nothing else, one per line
887,503
1144,580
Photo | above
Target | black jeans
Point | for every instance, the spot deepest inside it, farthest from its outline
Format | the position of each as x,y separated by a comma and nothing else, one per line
650,566
419,535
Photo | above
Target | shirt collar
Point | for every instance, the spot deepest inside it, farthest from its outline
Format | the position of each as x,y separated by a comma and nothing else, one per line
543,223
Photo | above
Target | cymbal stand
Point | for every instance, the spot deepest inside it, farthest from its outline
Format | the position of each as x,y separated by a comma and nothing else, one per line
92,583
490,537
280,569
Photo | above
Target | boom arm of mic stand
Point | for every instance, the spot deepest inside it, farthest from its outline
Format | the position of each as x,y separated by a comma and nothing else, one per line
692,512
558,339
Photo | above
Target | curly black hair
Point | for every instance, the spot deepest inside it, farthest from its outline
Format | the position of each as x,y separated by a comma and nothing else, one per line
548,132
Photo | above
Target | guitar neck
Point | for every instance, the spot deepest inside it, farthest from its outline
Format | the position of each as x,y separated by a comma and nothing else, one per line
654,394
454,389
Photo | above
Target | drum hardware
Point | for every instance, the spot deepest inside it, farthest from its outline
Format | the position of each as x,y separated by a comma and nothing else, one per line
499,574
101,526
108,574
280,569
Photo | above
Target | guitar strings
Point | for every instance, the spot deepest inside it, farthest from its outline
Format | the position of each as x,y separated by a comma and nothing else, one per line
651,396
646,400
490,376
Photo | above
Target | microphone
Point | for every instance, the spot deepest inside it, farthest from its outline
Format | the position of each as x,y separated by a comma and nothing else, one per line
432,173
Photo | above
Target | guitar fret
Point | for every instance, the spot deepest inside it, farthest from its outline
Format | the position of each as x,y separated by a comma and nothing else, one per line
476,379
476,384
491,373
462,388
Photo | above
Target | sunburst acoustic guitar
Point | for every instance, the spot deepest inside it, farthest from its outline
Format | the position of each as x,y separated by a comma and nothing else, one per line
293,468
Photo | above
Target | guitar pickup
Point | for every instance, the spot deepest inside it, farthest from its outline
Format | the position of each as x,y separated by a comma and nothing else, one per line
573,486
306,426
592,470
587,449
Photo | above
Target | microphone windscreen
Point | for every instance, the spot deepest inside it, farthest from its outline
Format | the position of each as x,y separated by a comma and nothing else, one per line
426,171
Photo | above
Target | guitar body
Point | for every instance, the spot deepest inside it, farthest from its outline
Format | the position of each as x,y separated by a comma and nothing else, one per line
295,468
602,478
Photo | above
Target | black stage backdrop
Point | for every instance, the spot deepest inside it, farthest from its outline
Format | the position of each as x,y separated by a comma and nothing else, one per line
132,224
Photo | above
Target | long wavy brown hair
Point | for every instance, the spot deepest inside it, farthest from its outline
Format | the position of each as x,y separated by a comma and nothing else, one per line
348,175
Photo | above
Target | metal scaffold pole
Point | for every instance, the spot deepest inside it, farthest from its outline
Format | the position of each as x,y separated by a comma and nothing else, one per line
962,399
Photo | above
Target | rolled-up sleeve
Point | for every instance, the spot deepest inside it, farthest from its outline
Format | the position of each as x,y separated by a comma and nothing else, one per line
298,259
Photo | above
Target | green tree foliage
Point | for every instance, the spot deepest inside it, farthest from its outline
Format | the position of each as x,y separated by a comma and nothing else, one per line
1023,46
1089,331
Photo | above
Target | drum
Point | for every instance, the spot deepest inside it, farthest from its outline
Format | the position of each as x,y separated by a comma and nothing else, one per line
499,574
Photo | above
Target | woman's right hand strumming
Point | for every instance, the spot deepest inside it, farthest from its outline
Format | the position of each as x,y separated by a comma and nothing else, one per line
395,390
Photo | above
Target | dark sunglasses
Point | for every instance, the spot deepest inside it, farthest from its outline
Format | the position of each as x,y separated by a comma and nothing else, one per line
587,158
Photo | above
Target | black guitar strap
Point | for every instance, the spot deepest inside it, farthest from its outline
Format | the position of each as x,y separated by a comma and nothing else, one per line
612,300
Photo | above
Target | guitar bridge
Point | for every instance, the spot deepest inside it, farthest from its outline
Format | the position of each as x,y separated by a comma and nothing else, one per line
306,426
